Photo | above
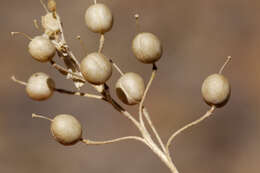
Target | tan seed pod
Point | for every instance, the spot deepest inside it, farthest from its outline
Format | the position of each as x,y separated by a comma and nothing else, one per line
147,47
41,49
130,88
66,129
99,18
50,24
40,86
96,68
216,90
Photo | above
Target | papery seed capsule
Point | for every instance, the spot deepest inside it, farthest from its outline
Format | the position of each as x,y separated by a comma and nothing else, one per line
66,129
96,68
147,47
40,86
50,24
99,18
41,48
130,88
216,90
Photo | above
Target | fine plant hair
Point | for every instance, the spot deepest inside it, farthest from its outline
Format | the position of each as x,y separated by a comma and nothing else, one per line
96,68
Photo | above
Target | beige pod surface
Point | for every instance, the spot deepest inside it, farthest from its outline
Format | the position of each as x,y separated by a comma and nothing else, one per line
216,90
130,88
66,129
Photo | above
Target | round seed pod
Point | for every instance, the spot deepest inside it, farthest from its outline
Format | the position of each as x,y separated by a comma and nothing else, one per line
66,129
216,90
96,68
40,86
147,48
41,49
50,24
130,88
99,18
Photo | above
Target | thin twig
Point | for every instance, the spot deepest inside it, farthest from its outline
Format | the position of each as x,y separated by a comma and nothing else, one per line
145,93
101,43
224,65
25,35
116,67
18,81
63,91
82,44
206,115
41,116
35,23
147,116
65,71
90,142
44,6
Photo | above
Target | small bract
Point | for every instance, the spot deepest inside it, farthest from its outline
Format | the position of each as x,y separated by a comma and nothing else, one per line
99,18
41,49
96,68
130,88
40,86
147,47
66,129
216,90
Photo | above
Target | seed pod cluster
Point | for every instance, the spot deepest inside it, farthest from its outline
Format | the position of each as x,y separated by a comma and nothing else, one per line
41,48
40,86
216,90
66,129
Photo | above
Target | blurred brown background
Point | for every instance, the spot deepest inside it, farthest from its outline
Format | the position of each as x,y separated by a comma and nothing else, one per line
197,36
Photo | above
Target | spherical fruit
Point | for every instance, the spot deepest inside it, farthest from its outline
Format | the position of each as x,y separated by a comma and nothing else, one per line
96,68
147,47
40,86
99,18
130,88
41,49
216,90
66,129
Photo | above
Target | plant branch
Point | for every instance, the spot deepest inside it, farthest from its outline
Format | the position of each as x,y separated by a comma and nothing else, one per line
63,91
206,115
147,116
224,65
144,96
101,43
90,142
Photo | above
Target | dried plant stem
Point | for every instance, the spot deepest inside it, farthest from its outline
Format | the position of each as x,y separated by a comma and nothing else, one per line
90,142
82,44
144,96
101,43
147,116
65,71
224,65
206,115
41,116
18,81
25,35
117,67
63,91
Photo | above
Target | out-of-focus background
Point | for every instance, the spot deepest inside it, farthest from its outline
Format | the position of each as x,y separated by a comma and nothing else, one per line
197,37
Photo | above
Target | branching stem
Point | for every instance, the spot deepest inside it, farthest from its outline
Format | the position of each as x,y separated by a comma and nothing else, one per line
206,115
90,142
63,91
